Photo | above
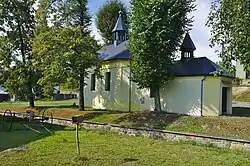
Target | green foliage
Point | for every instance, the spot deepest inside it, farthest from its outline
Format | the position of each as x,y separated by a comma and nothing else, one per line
42,15
230,23
71,13
157,29
66,51
106,18
17,24
228,67
155,38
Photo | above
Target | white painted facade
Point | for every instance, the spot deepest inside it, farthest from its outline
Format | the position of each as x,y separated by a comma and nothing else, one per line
181,95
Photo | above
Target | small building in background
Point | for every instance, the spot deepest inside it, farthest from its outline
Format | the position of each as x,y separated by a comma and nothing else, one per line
241,73
60,94
4,96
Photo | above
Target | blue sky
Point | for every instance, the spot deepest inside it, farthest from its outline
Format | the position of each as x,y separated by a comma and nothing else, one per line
199,33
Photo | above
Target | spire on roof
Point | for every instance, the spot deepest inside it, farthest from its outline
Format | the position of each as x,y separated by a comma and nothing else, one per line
120,30
187,47
120,26
188,43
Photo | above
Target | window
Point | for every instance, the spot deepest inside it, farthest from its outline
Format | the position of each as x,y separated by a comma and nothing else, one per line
107,81
92,88
121,36
187,55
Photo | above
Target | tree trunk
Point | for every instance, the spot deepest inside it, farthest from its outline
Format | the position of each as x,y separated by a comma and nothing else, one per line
81,93
157,99
31,95
32,102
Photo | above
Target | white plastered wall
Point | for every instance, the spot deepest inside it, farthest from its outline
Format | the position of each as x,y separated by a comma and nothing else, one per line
181,95
118,96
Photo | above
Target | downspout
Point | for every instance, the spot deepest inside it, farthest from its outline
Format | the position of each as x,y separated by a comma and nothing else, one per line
202,85
129,91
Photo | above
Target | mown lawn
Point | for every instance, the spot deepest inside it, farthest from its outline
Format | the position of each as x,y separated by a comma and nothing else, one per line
103,148
235,127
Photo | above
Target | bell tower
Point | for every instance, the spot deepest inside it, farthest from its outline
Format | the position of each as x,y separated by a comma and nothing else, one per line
187,48
120,30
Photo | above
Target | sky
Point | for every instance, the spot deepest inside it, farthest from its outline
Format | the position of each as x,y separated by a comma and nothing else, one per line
199,33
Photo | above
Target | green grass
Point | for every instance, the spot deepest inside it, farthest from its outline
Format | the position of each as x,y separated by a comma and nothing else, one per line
235,127
40,103
102,148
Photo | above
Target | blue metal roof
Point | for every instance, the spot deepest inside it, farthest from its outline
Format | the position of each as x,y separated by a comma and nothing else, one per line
201,66
112,52
120,26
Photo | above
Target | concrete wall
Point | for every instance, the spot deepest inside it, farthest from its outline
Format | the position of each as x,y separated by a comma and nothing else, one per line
240,72
181,95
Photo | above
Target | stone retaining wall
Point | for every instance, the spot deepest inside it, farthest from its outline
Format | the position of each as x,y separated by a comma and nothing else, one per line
163,134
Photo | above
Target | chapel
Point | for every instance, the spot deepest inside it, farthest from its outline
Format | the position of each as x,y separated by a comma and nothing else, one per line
195,89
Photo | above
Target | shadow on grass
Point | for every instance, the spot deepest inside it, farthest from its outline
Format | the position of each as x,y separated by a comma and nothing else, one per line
57,106
20,135
157,120
241,111
99,113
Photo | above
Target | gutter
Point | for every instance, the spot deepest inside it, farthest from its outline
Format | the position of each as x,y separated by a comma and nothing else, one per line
202,87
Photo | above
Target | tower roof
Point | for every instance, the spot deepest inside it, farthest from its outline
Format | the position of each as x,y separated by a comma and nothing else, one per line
188,43
120,26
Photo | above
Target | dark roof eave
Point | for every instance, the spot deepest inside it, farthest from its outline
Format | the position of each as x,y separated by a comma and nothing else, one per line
115,59
204,75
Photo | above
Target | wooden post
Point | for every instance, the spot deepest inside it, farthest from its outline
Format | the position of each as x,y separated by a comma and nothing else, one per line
76,120
77,140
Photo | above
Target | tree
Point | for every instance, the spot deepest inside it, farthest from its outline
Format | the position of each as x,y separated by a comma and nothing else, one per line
67,50
106,18
17,26
232,70
157,28
230,23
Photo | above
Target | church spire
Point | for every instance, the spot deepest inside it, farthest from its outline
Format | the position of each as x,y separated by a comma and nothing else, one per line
120,30
187,48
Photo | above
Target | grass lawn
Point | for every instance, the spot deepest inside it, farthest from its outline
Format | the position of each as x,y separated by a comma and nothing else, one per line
105,148
235,127
243,96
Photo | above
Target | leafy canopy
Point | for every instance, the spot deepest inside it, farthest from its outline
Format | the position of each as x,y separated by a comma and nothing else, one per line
157,29
66,51
230,23
17,25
